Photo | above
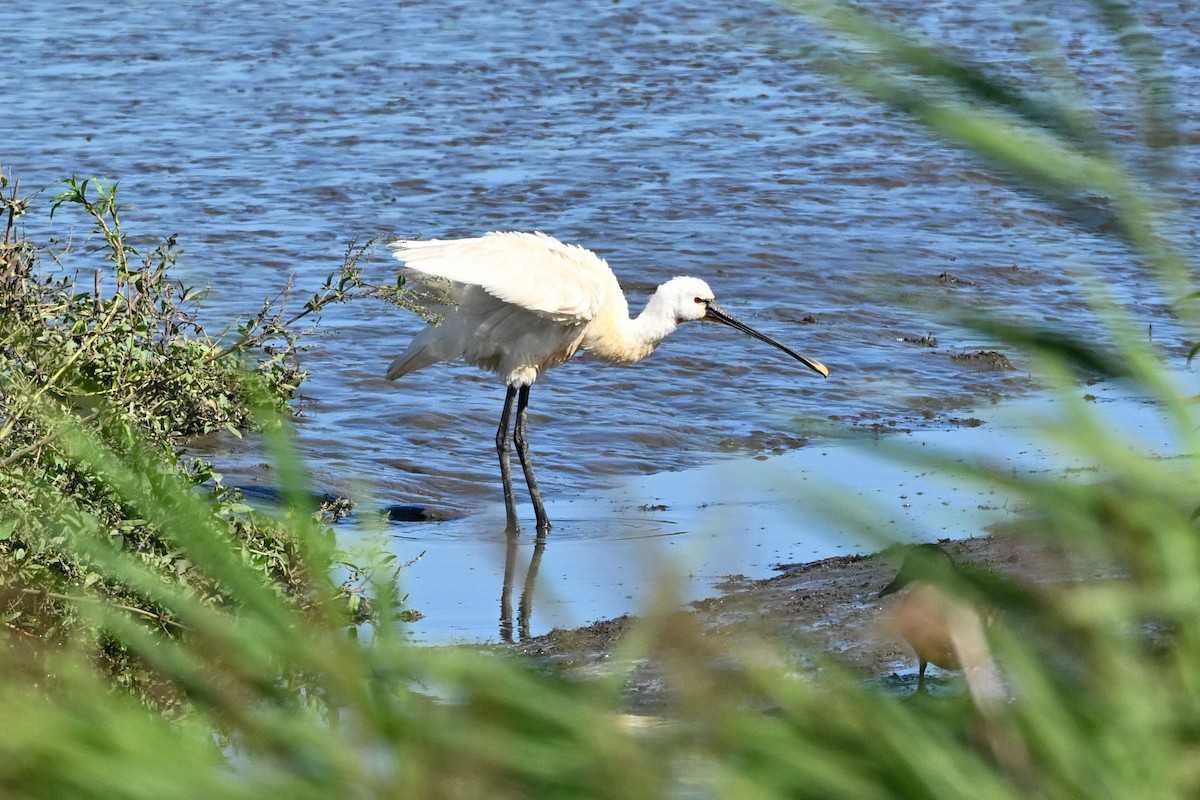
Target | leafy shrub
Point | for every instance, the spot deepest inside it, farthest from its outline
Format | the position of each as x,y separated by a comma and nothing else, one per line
128,359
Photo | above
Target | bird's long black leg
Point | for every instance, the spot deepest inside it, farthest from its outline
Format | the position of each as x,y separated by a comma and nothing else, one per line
522,443
502,449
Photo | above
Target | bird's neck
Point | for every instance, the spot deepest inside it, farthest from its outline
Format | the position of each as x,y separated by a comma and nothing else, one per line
625,340
656,322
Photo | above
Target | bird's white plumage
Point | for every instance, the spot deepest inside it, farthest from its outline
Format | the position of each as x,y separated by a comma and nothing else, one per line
565,283
520,303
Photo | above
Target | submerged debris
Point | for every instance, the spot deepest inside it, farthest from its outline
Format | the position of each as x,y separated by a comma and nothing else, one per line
946,277
928,340
989,360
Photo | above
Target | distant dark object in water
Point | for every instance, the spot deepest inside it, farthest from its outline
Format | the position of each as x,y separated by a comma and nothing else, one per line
407,514
946,277
395,513
928,340
988,360
1092,212
412,513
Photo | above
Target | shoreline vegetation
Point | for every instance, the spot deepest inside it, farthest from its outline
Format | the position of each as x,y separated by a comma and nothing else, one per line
159,641
105,375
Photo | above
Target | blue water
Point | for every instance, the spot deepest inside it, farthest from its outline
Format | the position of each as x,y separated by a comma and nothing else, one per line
671,138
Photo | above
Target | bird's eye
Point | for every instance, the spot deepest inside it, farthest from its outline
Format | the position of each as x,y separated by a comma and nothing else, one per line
699,299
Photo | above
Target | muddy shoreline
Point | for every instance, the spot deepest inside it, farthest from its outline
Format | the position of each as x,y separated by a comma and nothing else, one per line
825,607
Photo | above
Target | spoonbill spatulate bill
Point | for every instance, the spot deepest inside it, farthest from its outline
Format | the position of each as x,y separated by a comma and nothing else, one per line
516,304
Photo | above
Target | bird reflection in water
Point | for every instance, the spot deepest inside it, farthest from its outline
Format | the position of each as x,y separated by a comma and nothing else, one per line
528,588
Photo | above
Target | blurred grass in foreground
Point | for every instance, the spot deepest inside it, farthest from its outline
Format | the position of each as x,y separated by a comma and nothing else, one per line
1104,675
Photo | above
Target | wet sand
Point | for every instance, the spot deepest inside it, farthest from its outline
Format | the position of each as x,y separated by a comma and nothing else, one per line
823,608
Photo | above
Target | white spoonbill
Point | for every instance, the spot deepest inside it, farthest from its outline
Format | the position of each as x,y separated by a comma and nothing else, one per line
519,303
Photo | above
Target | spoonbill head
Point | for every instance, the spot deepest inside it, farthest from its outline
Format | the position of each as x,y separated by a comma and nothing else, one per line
516,304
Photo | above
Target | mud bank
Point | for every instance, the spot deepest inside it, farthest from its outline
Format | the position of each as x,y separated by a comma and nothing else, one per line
826,607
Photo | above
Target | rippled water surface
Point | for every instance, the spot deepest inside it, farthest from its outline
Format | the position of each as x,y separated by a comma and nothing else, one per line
671,138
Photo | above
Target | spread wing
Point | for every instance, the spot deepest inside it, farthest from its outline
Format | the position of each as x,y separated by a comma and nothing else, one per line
565,283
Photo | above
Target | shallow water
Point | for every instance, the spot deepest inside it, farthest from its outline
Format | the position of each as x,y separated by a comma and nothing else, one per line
670,138
683,533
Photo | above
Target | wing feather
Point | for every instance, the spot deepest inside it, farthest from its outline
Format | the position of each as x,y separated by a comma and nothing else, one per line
565,283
